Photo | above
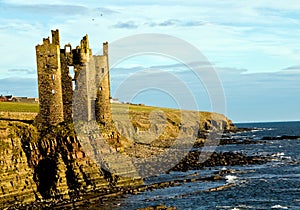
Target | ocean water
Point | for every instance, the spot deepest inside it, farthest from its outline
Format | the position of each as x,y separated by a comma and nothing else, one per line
273,185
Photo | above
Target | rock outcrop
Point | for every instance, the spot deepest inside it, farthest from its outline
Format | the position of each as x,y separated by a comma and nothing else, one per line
53,162
49,164
17,184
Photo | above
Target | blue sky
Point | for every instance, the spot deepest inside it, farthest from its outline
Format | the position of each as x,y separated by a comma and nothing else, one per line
253,45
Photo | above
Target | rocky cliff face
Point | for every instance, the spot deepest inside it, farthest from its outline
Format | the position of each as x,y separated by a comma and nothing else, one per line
17,184
48,164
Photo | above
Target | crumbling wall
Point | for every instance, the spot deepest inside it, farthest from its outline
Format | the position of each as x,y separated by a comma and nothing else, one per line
89,88
49,80
103,107
66,60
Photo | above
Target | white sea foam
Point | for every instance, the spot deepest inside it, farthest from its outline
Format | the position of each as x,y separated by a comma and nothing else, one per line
279,207
268,129
279,154
231,178
237,207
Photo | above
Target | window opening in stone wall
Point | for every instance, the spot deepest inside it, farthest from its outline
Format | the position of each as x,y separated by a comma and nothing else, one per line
72,71
53,92
102,70
100,88
68,49
73,84
53,77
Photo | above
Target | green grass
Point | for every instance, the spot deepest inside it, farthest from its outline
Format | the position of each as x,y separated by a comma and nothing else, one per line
18,107
117,109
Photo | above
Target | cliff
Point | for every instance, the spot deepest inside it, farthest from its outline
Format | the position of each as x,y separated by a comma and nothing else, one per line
17,184
48,164
51,163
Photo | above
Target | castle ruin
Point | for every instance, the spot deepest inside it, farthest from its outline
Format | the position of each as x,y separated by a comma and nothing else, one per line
85,95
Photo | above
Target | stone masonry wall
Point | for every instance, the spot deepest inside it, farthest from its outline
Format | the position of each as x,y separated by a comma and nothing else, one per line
49,81
90,83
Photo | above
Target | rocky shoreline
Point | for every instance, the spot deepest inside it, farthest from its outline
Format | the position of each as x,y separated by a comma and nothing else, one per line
191,161
109,198
78,182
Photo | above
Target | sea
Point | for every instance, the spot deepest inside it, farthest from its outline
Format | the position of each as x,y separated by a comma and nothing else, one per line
272,185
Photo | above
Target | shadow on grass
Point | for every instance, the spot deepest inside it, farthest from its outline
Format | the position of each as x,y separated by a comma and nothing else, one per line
17,120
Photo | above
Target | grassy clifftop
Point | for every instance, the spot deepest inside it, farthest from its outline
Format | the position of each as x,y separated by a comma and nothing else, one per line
18,107
147,125
28,111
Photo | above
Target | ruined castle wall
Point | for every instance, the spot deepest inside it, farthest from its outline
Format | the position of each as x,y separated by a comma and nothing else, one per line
103,107
81,104
84,97
66,60
49,82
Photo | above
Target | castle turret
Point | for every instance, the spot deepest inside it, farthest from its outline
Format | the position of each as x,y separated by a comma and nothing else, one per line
85,51
49,81
102,105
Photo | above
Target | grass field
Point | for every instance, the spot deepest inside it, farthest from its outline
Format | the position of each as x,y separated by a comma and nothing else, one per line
29,107
138,114
18,107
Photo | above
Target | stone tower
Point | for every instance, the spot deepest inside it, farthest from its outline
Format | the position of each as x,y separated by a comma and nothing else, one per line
102,106
85,94
49,80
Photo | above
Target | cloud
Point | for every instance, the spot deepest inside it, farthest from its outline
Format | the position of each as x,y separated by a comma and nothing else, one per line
176,23
292,68
252,36
27,71
181,67
249,96
54,9
126,25
105,11
194,23
46,9
171,22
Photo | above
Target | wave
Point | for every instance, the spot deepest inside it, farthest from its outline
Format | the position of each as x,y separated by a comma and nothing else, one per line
231,179
255,129
278,154
279,207
239,207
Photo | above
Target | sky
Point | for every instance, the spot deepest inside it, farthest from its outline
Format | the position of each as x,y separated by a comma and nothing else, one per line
252,45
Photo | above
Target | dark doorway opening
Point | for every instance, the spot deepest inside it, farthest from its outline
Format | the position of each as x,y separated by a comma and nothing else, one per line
45,173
